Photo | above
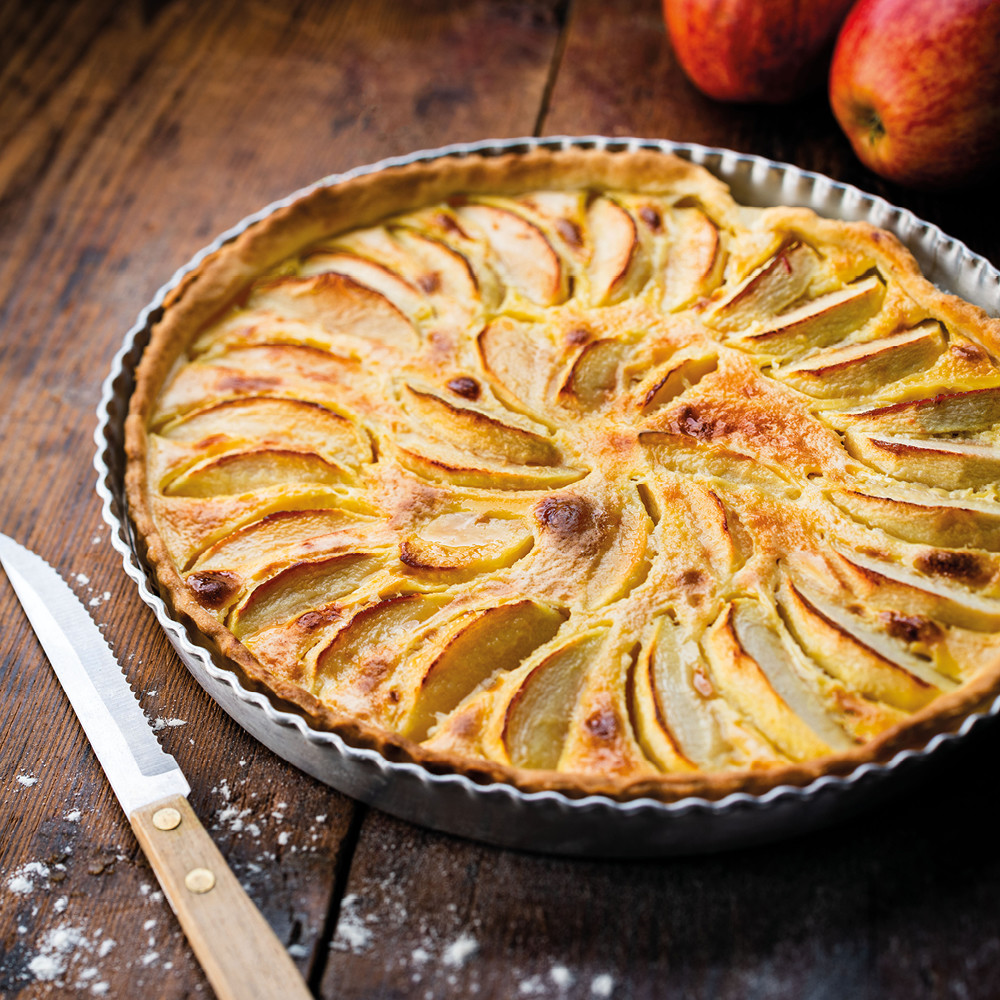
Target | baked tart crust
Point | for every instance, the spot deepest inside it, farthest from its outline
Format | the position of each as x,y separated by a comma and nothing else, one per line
561,468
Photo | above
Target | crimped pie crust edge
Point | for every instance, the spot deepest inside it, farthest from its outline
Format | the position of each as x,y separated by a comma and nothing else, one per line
366,199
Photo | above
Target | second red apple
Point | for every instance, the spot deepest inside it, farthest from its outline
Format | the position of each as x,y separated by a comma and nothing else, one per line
915,85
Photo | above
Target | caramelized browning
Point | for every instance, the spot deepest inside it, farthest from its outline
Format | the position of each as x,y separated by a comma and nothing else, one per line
214,589
567,516
467,388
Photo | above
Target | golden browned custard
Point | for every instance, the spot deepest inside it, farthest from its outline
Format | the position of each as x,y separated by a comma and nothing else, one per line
565,469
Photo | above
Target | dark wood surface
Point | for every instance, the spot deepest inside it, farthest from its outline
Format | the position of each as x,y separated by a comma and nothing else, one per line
130,134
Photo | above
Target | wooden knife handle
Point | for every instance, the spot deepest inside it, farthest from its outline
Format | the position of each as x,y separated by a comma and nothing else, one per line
235,945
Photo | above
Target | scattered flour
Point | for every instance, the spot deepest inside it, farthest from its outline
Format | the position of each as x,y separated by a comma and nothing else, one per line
562,977
27,780
602,986
24,879
64,946
54,952
82,579
162,723
73,816
352,934
152,896
233,817
460,951
533,986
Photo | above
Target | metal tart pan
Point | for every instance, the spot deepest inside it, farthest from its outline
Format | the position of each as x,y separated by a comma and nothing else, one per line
499,814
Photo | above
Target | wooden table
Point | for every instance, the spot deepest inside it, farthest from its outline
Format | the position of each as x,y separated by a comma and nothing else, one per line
130,134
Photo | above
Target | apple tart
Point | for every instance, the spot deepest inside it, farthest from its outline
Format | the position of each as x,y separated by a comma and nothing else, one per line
565,469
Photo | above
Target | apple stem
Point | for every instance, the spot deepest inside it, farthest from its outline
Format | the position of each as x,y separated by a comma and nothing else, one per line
872,122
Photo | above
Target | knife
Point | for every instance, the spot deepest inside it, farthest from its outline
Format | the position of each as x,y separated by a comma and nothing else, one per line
237,949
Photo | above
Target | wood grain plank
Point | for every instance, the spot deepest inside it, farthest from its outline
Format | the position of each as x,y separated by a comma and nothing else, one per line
619,76
129,135
900,902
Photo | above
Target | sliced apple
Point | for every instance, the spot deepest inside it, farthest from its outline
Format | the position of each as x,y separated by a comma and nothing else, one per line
191,525
562,212
755,672
243,472
471,428
682,453
524,258
538,716
426,263
478,647
819,321
679,375
768,290
864,660
339,306
623,563
593,378
760,634
379,278
692,266
675,725
887,584
364,653
863,369
467,542
440,462
273,421
592,546
374,243
601,739
699,540
945,413
925,519
276,532
949,464
299,588
521,362
287,649
617,265
446,277
261,370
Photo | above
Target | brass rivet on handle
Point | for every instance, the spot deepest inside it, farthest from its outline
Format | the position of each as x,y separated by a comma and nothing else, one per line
167,818
199,880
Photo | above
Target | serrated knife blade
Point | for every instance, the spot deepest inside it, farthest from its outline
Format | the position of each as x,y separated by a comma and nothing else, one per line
235,945
139,769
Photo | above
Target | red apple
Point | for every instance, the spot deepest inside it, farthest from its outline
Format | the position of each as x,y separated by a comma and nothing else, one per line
754,50
915,84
